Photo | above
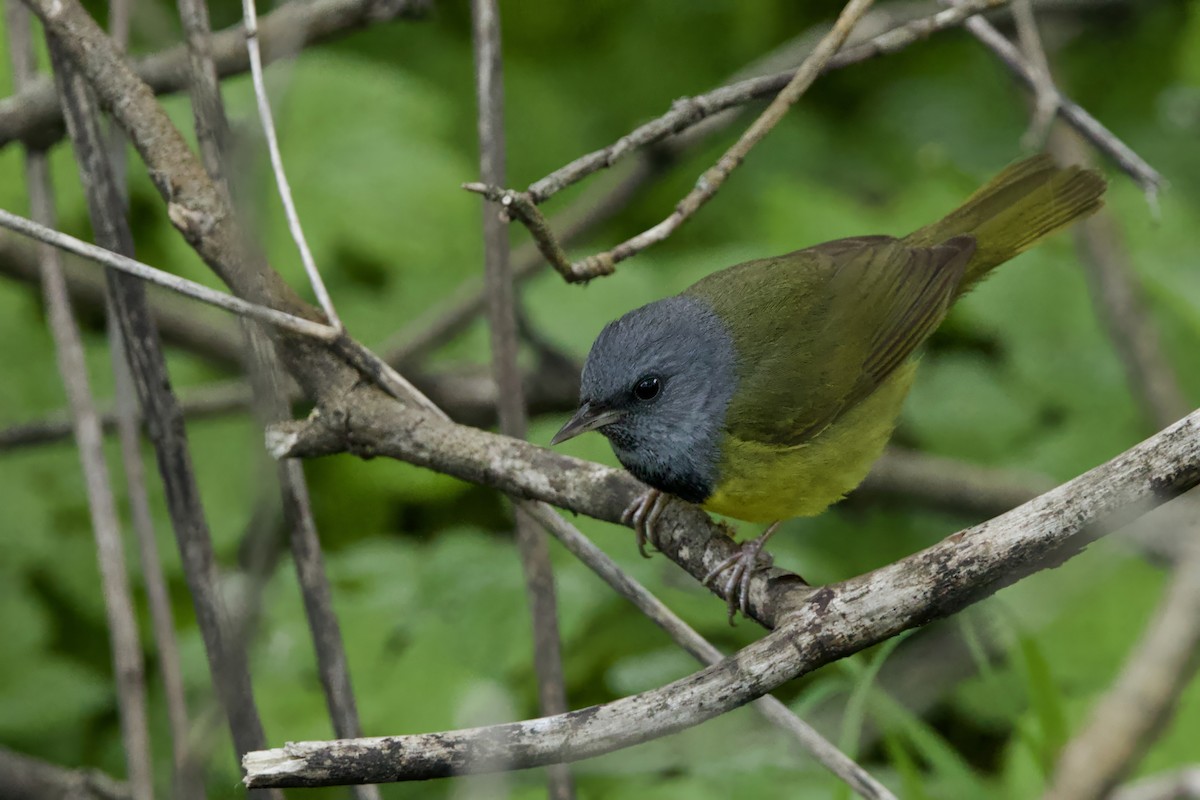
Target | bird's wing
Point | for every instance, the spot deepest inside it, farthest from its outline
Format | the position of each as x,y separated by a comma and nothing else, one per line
818,330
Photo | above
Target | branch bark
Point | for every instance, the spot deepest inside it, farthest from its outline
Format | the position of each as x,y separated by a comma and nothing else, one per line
227,659
815,626
124,640
1073,114
33,116
510,402
180,322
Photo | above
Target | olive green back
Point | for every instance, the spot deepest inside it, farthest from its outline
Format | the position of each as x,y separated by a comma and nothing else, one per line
818,330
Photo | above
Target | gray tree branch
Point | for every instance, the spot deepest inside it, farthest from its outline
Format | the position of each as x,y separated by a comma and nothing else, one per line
510,402
124,639
33,115
813,625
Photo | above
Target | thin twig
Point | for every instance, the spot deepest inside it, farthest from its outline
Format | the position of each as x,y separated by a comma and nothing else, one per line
686,637
124,640
181,322
227,658
250,21
812,626
453,315
712,180
175,283
128,423
1088,126
33,115
468,395
689,111
270,389
186,783
1135,711
1045,104
502,325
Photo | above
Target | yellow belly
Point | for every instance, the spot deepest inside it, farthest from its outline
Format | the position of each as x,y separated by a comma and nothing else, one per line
764,483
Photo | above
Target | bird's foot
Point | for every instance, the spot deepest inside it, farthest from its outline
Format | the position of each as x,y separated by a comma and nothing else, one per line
643,514
741,568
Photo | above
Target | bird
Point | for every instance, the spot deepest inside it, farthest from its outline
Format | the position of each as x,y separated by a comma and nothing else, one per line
766,390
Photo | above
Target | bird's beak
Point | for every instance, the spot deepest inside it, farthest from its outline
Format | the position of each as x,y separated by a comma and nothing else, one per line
587,418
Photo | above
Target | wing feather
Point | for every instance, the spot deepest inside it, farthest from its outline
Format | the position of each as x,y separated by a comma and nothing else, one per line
818,330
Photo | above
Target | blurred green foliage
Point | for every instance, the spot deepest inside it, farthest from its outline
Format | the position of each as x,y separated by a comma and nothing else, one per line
378,132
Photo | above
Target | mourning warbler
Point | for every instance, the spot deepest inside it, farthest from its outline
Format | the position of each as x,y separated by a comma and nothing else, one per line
766,390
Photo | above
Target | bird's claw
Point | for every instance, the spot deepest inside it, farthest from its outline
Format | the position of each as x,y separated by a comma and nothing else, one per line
741,567
642,515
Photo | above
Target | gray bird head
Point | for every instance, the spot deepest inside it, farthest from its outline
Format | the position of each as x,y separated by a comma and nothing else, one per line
657,383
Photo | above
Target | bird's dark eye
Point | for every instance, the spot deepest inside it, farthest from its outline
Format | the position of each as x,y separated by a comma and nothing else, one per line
647,388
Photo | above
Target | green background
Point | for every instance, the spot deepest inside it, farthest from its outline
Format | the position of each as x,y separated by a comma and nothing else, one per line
378,133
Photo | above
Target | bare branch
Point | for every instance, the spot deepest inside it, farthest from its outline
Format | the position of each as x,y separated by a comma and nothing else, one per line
124,640
689,111
813,626
1088,126
227,659
502,326
175,283
711,180
33,115
250,20
686,637
1045,94
181,322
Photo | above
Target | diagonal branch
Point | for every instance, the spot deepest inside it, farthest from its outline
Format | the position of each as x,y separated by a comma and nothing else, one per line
1074,115
815,627
180,322
706,653
689,111
686,113
267,120
33,115
271,390
708,184
197,291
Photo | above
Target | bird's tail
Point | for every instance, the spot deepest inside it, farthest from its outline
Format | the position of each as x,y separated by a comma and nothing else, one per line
1029,200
